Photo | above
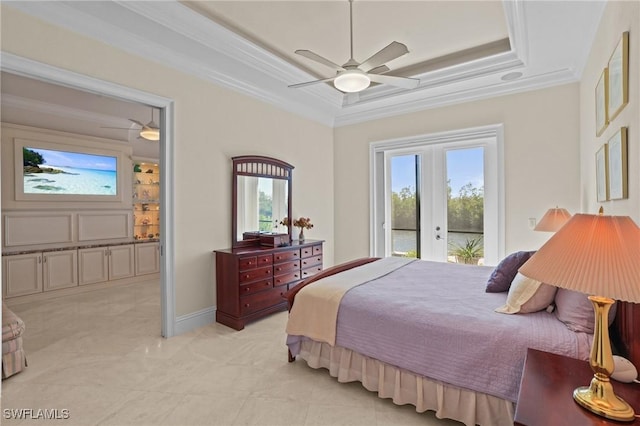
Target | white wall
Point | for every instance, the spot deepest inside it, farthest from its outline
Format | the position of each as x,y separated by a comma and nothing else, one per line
212,124
619,16
541,151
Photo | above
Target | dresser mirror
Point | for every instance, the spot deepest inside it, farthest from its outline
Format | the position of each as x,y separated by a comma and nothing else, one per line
261,198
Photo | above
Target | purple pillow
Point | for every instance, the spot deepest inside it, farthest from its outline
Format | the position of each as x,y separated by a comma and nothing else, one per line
505,272
575,310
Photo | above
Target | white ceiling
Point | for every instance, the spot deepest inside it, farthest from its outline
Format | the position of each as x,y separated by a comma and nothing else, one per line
460,50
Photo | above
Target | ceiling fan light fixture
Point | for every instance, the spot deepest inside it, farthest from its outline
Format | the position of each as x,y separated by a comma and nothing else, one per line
351,81
150,134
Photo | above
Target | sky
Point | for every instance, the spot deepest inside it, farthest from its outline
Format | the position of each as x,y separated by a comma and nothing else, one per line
463,166
76,160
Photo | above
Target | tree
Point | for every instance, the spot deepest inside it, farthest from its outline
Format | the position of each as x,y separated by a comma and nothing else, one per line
466,211
31,158
404,209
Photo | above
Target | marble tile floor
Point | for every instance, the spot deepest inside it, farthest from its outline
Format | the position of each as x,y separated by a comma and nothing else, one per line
98,359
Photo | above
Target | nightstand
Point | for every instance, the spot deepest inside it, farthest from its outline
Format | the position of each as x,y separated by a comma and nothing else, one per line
546,392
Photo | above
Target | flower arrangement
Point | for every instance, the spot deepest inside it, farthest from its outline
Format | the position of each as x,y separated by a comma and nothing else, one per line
302,223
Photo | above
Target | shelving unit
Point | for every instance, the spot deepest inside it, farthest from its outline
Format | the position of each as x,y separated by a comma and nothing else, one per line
146,200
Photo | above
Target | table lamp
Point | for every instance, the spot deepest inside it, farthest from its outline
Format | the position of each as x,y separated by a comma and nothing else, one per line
553,220
600,256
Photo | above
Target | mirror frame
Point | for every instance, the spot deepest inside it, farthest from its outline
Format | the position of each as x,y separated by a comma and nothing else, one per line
259,166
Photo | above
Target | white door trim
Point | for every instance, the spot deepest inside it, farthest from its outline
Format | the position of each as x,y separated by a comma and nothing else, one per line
33,69
495,131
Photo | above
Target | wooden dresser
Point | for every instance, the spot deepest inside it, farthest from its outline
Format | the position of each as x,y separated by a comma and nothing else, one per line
250,281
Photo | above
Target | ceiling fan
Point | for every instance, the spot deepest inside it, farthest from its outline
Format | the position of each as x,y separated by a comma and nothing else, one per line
354,76
149,131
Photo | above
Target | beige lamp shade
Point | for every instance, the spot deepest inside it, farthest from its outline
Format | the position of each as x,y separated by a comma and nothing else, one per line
553,220
593,254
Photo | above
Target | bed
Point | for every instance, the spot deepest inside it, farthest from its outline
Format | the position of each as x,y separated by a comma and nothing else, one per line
426,333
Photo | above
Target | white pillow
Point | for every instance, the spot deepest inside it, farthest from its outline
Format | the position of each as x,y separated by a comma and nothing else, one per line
527,295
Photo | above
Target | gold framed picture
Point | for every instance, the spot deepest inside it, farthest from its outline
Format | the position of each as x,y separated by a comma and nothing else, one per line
617,165
618,87
602,177
602,98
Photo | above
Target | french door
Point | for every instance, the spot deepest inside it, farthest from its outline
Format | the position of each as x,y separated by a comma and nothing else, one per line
438,199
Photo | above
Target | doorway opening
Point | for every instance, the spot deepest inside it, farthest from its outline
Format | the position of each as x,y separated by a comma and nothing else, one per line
20,66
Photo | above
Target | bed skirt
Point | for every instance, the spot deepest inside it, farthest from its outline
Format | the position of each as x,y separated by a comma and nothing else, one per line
405,387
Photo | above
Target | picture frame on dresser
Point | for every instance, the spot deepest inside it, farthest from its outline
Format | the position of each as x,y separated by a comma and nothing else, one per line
618,77
617,164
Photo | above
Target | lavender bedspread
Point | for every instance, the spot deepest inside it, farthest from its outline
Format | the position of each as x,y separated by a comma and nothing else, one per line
436,320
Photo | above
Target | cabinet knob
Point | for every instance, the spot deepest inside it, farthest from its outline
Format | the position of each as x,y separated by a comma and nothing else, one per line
267,284
247,276
247,289
268,271
295,254
246,305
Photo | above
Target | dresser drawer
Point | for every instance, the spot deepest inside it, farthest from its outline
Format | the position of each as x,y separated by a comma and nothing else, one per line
306,252
245,263
283,268
286,278
306,273
255,274
317,249
261,300
265,259
286,256
256,286
311,261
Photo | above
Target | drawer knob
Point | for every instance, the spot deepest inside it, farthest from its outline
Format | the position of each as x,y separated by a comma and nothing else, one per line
267,271
247,289
246,305
267,284
247,276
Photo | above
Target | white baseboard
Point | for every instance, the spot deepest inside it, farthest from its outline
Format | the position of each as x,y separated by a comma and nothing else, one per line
188,322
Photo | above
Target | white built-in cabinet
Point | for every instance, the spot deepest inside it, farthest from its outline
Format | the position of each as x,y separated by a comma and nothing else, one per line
32,273
101,264
38,272
147,258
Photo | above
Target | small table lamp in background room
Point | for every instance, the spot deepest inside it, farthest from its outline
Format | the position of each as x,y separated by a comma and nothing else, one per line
600,256
553,220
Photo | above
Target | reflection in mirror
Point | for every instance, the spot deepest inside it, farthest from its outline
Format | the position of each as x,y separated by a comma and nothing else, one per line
262,204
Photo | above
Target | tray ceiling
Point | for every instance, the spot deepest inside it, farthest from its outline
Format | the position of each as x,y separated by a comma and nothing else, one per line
460,50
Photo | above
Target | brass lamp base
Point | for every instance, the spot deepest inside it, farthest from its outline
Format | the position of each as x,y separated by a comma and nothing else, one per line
600,399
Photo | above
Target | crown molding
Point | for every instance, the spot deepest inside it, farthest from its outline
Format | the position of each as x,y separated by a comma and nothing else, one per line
355,115
57,110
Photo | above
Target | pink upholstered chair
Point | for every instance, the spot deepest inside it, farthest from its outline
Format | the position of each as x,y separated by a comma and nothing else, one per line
13,357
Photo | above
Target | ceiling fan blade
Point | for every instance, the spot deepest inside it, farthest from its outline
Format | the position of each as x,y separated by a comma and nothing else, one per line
379,70
405,82
390,52
315,57
137,122
309,83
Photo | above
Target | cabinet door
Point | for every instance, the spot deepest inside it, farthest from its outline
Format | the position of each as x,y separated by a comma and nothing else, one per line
121,261
22,274
93,265
60,269
147,258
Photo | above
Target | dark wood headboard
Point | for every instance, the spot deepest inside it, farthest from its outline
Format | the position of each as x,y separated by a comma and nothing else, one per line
625,331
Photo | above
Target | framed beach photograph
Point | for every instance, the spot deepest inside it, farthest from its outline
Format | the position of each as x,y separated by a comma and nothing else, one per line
618,87
602,118
617,165
602,184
